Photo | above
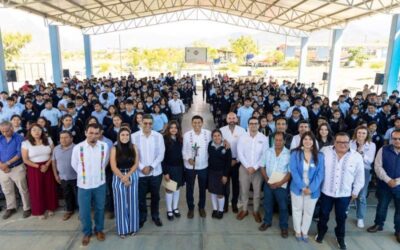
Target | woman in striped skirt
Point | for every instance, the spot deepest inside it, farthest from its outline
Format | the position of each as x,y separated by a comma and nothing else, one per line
124,161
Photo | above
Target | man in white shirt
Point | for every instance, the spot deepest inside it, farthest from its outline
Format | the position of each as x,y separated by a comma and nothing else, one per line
304,126
151,151
249,151
232,133
344,179
195,156
177,108
89,160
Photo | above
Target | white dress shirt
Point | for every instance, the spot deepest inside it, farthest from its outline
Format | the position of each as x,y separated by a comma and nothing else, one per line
250,149
232,137
190,139
151,151
177,107
344,177
89,162
368,150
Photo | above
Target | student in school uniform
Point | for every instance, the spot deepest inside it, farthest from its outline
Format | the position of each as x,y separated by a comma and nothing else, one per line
173,168
219,164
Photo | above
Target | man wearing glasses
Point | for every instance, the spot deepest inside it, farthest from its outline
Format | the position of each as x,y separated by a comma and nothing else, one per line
344,178
151,150
251,146
12,170
387,168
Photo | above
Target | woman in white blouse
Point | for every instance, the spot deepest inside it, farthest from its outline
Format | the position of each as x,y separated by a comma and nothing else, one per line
361,142
36,153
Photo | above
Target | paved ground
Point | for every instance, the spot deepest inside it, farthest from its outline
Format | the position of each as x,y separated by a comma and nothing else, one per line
229,233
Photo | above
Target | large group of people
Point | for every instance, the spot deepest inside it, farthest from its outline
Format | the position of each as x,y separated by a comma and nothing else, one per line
109,142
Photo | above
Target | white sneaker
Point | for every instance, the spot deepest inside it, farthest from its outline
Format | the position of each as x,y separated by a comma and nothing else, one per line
360,223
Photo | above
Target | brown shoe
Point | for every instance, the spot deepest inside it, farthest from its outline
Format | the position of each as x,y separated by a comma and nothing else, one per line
263,227
257,217
242,214
284,233
7,214
190,214
85,240
398,237
202,213
374,229
67,216
100,236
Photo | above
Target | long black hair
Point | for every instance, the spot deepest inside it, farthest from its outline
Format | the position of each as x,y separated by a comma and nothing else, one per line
314,149
125,151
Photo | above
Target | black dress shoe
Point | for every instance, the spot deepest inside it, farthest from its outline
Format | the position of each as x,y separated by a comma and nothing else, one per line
235,208
214,214
170,216
190,214
157,222
319,238
284,233
220,215
341,243
176,213
398,237
264,227
374,229
202,212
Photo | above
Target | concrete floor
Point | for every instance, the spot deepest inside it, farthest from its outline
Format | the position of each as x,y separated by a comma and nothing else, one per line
208,233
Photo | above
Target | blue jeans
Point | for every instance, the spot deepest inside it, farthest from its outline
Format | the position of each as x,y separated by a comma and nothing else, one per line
87,197
341,204
362,196
281,196
190,178
385,196
149,184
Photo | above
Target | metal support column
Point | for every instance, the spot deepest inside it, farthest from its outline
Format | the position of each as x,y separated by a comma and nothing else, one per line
55,54
392,80
336,49
3,78
88,55
303,59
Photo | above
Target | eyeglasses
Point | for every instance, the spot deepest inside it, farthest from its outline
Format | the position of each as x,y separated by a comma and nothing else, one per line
342,142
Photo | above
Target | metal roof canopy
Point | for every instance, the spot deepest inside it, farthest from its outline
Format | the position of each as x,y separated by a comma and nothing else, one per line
287,17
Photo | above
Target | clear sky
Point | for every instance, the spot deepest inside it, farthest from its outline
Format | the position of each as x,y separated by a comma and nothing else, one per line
181,34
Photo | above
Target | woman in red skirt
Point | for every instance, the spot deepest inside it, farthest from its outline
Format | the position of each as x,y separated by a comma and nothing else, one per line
36,153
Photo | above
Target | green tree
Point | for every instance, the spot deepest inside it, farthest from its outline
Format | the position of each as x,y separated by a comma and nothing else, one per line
134,57
242,46
357,55
13,43
104,67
